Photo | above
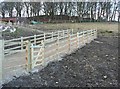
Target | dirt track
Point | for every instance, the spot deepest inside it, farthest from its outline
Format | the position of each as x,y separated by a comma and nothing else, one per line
94,65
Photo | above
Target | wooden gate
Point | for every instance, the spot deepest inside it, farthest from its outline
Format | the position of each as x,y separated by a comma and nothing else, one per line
37,55
34,55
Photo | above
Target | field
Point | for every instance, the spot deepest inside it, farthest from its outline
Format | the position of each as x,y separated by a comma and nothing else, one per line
81,26
104,28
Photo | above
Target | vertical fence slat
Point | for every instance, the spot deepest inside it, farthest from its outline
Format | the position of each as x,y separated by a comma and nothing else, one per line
22,42
78,45
58,44
72,31
28,55
35,39
1,57
69,42
63,33
43,52
52,35
95,34
83,38
44,37
32,57
90,35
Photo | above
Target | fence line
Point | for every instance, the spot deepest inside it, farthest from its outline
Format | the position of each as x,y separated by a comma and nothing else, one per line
59,46
42,48
18,44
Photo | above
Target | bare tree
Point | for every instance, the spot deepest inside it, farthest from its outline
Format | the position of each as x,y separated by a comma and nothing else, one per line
35,8
19,6
7,7
2,9
118,5
27,5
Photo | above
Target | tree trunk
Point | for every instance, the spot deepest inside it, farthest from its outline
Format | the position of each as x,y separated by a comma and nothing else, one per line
3,14
119,17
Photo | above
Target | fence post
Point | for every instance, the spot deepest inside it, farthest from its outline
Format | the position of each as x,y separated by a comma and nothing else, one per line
95,34
44,37
91,35
28,55
88,37
0,34
58,45
72,31
78,39
32,56
63,33
1,57
83,40
43,51
52,36
69,42
35,39
22,43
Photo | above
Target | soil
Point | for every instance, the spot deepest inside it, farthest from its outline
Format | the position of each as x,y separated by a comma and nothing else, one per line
95,65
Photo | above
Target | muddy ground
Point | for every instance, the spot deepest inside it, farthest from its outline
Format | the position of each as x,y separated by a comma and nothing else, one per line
95,65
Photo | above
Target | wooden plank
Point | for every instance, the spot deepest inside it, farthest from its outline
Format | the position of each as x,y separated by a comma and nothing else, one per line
73,35
12,43
14,48
69,41
35,39
29,37
17,39
22,43
40,35
28,56
43,51
1,57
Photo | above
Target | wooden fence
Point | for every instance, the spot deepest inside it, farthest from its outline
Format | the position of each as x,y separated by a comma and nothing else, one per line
40,49
18,44
15,63
40,54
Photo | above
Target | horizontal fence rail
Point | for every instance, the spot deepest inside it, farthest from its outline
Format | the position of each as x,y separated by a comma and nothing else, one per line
38,55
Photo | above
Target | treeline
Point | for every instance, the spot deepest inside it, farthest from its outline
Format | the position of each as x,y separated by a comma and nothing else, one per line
100,11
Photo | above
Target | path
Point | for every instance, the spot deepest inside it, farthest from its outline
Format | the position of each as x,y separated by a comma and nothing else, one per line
13,65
